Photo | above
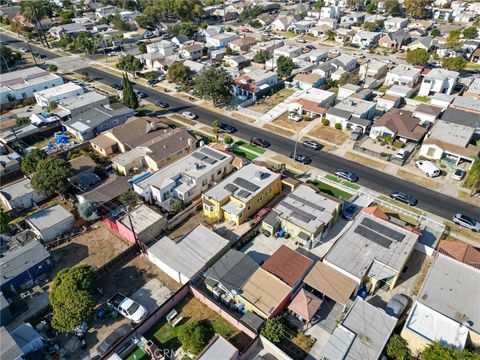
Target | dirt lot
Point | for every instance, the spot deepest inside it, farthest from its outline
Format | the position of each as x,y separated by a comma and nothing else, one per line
278,130
238,116
329,134
419,179
189,225
365,160
269,102
283,121
95,248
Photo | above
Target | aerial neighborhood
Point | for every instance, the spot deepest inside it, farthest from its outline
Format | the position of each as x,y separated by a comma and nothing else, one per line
236,180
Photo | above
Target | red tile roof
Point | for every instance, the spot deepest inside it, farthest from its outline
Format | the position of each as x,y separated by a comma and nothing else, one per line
305,304
460,251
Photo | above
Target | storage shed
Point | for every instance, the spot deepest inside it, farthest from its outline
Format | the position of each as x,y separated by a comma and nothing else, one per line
51,222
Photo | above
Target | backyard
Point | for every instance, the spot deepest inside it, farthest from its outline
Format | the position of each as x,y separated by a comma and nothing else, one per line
246,150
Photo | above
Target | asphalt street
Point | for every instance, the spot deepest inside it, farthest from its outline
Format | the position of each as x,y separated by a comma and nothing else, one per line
428,200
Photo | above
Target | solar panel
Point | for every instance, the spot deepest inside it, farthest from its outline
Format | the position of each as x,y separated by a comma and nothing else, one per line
244,194
231,188
306,202
373,236
213,154
246,184
198,155
382,229
209,160
297,213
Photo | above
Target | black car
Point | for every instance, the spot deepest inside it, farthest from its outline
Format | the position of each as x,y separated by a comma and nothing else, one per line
349,210
140,95
311,47
312,144
113,338
347,175
404,198
161,104
41,56
259,142
153,81
227,128
301,158
117,86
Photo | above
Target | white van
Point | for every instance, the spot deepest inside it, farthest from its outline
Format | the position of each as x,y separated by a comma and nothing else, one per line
428,168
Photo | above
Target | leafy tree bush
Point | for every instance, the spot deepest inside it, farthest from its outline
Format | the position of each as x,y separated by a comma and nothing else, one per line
196,335
338,126
330,34
88,211
51,176
325,122
470,33
8,57
453,39
213,84
71,298
228,51
261,56
178,73
435,32
436,351
392,7
130,64
22,121
274,329
120,24
129,198
227,140
417,56
52,68
185,28
456,63
29,163
397,348
285,66
348,78
416,8
4,222
129,97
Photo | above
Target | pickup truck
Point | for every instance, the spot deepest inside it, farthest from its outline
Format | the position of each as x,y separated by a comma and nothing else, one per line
128,308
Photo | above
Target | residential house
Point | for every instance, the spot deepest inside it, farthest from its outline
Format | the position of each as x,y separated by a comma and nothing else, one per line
87,125
395,24
347,90
373,250
316,56
56,94
331,23
442,14
185,258
448,140
268,46
71,29
306,215
460,251
362,334
105,11
266,19
373,69
344,36
446,309
282,23
404,75
388,102
194,66
82,173
162,47
74,106
394,40
441,100
193,52
220,40
366,39
427,113
143,223
187,178
305,81
351,113
400,124
466,103
238,62
242,194
264,294
51,222
288,51
302,26
312,102
332,12
254,84
319,31
19,196
425,43
475,57
180,40
352,18
438,81
22,84
473,89
304,306
217,347
243,44
23,265
9,167
106,193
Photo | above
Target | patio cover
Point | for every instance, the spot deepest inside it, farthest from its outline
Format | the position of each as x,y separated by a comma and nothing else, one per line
305,304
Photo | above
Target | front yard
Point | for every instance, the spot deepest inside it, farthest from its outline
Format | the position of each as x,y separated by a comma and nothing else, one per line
328,134
269,102
285,122
332,190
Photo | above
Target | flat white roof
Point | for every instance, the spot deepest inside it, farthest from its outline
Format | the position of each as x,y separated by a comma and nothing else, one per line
26,77
49,217
142,218
60,89
452,133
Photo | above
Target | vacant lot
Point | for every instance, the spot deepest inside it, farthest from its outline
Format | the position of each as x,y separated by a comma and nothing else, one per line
365,160
328,134
278,130
283,121
95,247
269,102
418,179
241,117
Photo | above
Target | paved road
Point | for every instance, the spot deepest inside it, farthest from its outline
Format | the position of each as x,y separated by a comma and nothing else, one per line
431,201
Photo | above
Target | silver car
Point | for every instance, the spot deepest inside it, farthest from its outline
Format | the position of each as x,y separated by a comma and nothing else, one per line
467,222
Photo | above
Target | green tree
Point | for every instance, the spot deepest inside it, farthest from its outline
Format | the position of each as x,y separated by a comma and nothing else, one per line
435,32
29,163
330,34
66,15
34,11
185,28
52,68
203,25
417,56
280,168
84,42
129,198
177,206
436,351
227,140
370,26
397,348
196,335
348,78
120,24
416,8
228,51
318,5
142,48
178,73
216,126
129,98
213,84
22,121
87,211
52,105
453,39
150,17
274,329
71,297
285,66
261,56
130,64
470,33
392,7
4,228
8,57
51,176
456,63
371,8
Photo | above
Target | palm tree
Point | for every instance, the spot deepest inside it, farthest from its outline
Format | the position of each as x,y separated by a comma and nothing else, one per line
35,11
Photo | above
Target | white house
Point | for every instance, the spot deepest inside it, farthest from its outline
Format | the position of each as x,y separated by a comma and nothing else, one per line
405,75
253,83
332,12
312,102
438,81
51,222
58,93
282,23
395,24
289,51
19,196
22,84
352,112
186,178
163,47
220,40
365,39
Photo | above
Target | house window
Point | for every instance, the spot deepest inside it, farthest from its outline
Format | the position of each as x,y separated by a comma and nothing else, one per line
219,172
431,152
208,207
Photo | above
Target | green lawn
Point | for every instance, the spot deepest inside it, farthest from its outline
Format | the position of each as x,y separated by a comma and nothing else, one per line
243,153
343,182
141,355
473,66
332,190
248,146
351,185
401,205
421,98
333,178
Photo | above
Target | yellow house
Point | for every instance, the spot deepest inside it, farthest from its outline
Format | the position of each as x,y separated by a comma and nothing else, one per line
242,194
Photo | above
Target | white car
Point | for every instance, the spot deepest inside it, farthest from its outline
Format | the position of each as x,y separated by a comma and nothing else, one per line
294,116
23,50
401,154
189,115
458,174
334,51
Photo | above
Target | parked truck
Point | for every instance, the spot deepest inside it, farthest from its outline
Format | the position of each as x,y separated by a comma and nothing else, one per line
128,308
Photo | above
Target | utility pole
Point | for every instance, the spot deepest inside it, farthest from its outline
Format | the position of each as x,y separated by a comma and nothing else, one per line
31,52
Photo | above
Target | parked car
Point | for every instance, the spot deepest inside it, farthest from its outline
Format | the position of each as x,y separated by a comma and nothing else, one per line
128,308
401,154
404,198
397,305
312,145
167,36
261,214
161,104
357,133
349,210
117,86
428,168
311,47
304,159
458,174
334,51
113,338
140,95
301,41
189,115
466,222
259,142
347,175
227,128
23,50
294,116
153,81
